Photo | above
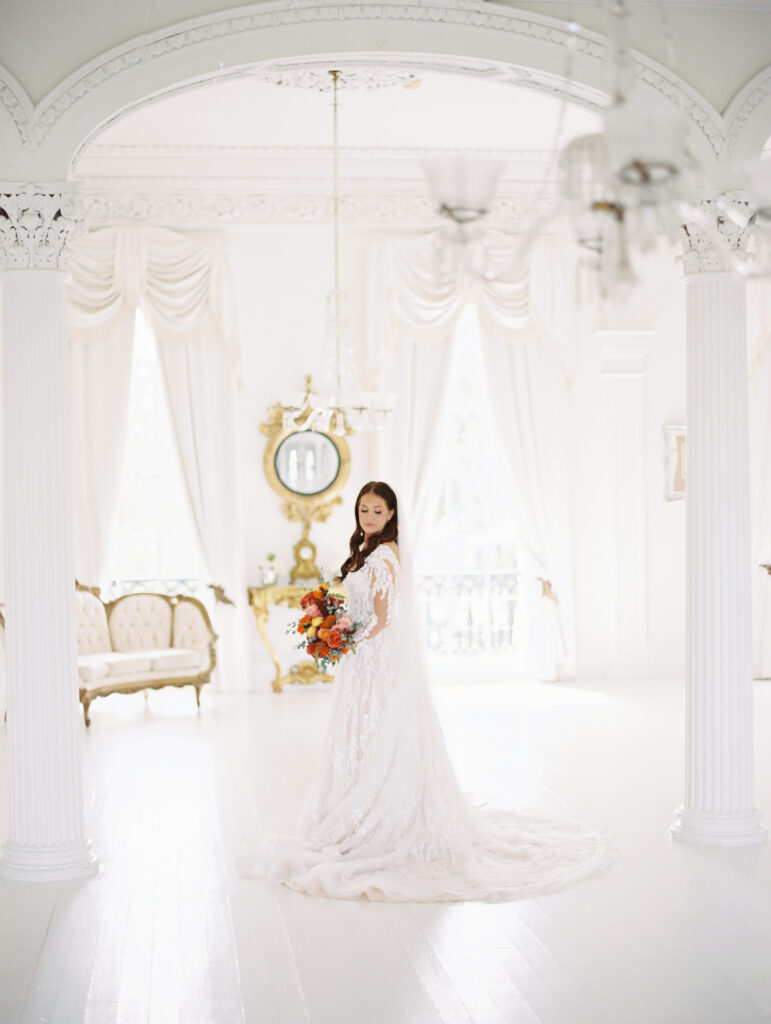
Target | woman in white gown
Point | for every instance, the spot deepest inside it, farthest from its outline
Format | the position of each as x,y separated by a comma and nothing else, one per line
385,817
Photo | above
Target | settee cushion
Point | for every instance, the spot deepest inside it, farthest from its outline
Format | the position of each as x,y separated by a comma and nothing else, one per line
175,657
121,663
93,632
140,622
108,664
172,659
91,668
101,668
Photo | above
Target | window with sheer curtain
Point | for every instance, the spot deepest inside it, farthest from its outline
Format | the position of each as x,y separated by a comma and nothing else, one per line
467,565
153,544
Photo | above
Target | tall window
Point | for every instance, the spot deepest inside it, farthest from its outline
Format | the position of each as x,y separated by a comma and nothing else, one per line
467,565
153,545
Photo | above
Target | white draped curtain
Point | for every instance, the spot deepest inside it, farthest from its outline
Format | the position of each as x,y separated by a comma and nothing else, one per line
528,353
180,281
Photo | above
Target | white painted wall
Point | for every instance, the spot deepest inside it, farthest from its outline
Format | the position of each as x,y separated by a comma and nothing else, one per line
628,540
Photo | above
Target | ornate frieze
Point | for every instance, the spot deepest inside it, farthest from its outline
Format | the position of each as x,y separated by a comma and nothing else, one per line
707,246
170,206
36,225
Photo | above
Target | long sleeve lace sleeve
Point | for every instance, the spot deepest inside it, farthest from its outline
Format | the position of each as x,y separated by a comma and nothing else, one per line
383,584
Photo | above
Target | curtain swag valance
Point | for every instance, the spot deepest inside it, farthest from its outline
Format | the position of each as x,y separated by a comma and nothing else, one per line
181,281
540,297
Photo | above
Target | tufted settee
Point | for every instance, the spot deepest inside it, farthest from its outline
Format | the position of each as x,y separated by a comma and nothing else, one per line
142,642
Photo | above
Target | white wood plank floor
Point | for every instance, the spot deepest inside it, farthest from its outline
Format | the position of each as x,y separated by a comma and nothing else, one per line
168,934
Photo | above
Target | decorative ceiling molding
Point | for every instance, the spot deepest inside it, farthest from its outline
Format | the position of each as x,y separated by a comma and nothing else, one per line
216,151
34,126
707,5
269,168
320,80
744,105
366,210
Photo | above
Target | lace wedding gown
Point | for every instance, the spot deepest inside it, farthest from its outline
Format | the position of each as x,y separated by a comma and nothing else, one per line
385,818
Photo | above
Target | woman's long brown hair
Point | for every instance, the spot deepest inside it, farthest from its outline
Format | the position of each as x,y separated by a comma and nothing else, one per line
390,531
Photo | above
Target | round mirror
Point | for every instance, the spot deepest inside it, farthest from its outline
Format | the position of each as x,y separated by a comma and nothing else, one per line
307,462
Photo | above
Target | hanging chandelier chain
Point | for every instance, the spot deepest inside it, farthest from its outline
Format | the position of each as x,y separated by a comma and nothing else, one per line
336,225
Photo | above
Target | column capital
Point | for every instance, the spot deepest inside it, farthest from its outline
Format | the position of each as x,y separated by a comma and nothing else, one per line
708,245
36,225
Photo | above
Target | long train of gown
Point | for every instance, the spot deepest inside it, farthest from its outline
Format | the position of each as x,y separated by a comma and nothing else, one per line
385,817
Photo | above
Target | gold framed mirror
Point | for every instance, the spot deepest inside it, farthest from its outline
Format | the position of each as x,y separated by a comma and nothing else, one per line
307,469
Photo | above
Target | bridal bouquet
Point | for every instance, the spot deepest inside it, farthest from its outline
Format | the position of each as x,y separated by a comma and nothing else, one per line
326,627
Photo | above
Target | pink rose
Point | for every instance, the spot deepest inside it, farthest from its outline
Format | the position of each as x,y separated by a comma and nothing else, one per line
344,622
313,611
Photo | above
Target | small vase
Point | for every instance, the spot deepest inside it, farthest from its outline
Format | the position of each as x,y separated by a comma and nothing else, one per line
268,577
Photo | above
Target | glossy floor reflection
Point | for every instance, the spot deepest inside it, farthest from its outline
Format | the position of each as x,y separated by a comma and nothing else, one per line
168,933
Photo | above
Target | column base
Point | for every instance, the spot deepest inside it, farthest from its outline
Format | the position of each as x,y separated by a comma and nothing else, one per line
701,828
53,864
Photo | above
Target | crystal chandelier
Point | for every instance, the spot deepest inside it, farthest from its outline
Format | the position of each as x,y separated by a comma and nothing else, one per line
338,406
623,189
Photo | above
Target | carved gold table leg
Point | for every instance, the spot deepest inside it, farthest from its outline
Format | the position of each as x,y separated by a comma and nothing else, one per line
261,600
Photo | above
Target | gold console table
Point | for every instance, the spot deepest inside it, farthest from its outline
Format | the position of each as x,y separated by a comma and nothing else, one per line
262,600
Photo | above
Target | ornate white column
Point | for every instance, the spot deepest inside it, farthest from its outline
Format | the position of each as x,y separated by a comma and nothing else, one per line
47,838
718,807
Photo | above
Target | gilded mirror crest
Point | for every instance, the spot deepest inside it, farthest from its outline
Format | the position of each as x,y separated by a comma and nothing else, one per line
307,468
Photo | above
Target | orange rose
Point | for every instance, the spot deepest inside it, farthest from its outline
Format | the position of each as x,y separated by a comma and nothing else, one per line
334,638
329,622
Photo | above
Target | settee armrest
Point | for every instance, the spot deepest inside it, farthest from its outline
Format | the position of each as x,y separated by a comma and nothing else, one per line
192,629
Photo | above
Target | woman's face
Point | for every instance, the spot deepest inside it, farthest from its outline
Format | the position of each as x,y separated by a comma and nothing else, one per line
374,513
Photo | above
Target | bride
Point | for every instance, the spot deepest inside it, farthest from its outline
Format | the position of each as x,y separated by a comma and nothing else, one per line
385,817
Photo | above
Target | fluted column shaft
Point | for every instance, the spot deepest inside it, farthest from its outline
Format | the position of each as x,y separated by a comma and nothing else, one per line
47,838
718,806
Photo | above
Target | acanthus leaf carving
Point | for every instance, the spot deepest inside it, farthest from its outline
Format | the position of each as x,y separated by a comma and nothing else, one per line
36,226
706,249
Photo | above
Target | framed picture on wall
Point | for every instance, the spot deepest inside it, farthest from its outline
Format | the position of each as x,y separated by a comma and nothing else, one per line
674,484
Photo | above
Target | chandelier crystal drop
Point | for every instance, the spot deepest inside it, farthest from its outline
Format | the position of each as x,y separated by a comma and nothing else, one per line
339,406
